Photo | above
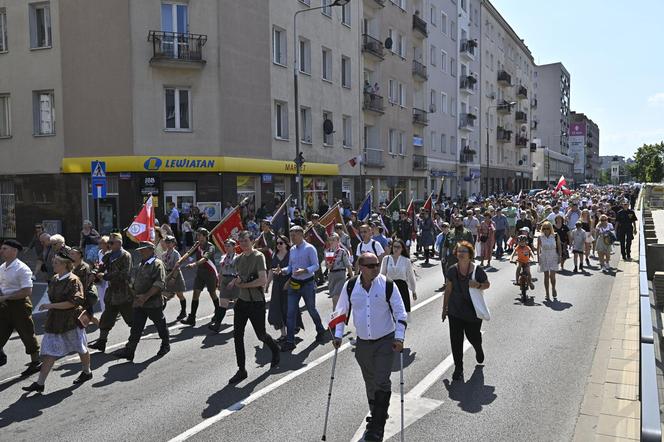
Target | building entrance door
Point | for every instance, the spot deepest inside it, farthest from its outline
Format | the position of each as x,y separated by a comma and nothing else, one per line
184,199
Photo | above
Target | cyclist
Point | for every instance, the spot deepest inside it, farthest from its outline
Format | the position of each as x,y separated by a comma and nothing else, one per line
524,255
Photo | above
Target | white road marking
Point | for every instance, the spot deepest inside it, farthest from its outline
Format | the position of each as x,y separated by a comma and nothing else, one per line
273,386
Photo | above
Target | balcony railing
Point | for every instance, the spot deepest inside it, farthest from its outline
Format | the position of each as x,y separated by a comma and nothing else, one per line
467,155
521,141
467,83
522,92
177,47
373,102
420,117
420,162
467,121
373,157
420,25
503,135
521,117
504,78
467,48
419,70
504,107
372,46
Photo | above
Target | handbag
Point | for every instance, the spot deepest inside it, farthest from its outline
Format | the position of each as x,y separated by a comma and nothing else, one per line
477,296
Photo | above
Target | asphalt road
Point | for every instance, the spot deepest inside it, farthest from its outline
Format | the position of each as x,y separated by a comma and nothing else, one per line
529,389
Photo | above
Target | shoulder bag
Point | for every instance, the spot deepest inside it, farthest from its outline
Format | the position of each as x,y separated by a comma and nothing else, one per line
477,296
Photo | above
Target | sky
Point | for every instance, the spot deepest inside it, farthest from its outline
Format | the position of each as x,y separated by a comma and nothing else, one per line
614,53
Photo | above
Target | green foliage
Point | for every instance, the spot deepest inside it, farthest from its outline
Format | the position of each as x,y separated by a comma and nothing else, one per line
648,164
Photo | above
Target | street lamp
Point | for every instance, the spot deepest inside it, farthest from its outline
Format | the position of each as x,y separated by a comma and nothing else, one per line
493,106
298,157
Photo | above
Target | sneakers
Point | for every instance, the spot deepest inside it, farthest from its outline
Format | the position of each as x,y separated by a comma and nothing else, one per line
83,377
33,367
190,320
240,376
100,345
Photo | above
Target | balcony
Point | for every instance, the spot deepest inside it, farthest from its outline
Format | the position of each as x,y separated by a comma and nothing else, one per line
503,135
467,84
521,142
504,107
467,155
522,93
467,49
373,157
420,71
504,79
420,162
420,117
373,103
521,117
420,26
174,49
467,122
373,46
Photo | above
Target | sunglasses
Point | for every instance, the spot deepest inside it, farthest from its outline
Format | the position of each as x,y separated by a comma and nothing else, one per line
281,243
373,265
463,251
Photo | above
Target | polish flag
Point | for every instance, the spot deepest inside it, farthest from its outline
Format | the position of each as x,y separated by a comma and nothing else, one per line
355,160
335,319
142,228
561,182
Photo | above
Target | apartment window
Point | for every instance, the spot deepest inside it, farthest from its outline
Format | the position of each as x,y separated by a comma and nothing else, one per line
443,103
453,146
178,109
3,30
392,91
443,61
453,67
433,52
347,126
390,34
345,14
327,64
433,141
402,95
393,141
305,56
5,117
464,6
328,139
305,124
453,107
400,145
401,46
43,113
281,120
40,25
400,3
345,72
279,46
432,101
453,30
443,143
443,23
327,9
433,15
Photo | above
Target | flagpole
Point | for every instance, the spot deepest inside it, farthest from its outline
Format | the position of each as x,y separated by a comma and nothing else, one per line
283,205
394,199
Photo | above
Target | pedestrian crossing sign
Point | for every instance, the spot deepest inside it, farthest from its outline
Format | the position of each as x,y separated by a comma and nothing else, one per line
98,169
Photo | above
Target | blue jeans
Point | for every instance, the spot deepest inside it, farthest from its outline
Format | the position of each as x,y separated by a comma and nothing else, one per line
308,292
500,237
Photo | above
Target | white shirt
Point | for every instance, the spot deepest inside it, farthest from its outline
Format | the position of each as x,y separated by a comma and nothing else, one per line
471,223
402,269
376,248
371,314
14,277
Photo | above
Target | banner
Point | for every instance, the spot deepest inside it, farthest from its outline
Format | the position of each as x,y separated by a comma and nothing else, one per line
229,227
142,228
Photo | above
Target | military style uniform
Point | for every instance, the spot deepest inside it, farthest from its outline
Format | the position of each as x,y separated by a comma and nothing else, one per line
207,277
320,249
84,273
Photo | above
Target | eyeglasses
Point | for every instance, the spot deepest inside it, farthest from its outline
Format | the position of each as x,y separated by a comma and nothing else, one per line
463,251
281,243
373,265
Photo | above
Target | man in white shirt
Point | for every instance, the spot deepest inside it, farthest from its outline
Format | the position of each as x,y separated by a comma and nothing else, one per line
368,244
15,304
471,223
379,316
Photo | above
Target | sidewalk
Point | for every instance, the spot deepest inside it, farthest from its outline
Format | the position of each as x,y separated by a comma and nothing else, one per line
611,409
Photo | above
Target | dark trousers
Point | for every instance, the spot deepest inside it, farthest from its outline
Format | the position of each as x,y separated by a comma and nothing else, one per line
459,327
140,317
255,312
308,292
375,360
176,234
625,238
17,315
110,315
500,238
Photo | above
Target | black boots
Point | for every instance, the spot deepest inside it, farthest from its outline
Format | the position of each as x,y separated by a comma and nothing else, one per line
376,425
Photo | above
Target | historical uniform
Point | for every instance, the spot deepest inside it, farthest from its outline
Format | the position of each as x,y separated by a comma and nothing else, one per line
84,273
321,234
228,295
207,276
118,298
147,285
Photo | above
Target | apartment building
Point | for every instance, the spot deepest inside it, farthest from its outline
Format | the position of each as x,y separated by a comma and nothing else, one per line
507,68
551,110
583,142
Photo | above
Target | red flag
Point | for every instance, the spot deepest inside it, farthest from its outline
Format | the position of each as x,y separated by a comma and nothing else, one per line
229,227
410,211
142,228
336,319
355,160
428,204
332,217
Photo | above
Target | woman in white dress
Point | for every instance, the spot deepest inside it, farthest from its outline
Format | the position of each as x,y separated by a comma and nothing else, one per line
398,268
549,255
604,242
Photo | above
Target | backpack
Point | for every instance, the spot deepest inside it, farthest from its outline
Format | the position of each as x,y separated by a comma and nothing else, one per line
389,286
373,247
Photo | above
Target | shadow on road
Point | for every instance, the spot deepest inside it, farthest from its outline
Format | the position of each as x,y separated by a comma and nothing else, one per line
408,358
125,372
30,405
558,306
229,395
471,395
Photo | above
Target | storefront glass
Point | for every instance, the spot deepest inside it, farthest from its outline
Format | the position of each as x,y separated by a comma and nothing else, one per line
315,193
7,210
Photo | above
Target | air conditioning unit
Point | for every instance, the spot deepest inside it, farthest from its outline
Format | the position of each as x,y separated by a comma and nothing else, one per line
432,107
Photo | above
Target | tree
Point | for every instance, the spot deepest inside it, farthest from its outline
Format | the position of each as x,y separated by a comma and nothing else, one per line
648,164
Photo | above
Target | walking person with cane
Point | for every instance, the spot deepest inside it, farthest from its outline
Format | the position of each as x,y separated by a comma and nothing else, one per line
380,321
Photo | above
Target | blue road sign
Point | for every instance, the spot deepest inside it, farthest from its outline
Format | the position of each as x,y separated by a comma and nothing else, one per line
98,178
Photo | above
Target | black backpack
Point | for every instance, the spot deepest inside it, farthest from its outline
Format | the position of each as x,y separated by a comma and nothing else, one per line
389,285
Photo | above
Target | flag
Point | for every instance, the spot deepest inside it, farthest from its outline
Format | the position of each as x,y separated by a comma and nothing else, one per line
228,227
280,220
561,182
314,238
394,206
335,319
410,212
354,232
365,208
428,204
333,216
142,228
355,160
439,200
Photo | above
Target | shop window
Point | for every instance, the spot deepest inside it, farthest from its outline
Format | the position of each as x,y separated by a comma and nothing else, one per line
246,187
7,210
315,193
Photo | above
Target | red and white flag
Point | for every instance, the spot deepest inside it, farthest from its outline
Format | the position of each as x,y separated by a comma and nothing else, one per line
561,182
229,227
142,228
335,319
355,160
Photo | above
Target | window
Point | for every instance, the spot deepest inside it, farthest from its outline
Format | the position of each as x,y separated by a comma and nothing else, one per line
5,117
305,56
433,15
390,34
453,30
453,146
464,6
400,3
345,14
328,139
443,61
178,109
43,113
453,107
279,46
453,67
305,124
402,95
40,25
3,30
443,103
392,145
345,72
327,9
400,140
281,120
392,92
433,54
327,64
401,46
347,124
443,143
433,141
443,23
433,100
